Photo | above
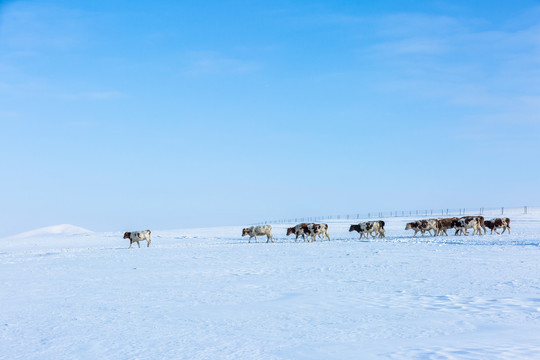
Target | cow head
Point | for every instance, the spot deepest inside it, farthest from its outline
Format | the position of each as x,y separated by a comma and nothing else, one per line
351,228
290,231
409,226
127,235
245,231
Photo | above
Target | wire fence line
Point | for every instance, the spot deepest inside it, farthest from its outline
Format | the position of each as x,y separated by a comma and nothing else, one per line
501,211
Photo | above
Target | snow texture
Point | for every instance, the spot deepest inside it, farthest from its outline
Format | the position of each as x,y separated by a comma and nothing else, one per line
208,294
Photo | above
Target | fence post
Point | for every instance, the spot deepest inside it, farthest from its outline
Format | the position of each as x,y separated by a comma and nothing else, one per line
502,210
525,208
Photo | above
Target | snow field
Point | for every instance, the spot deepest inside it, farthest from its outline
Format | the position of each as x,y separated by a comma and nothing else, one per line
208,294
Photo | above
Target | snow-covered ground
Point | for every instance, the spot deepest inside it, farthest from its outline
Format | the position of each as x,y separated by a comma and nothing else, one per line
69,293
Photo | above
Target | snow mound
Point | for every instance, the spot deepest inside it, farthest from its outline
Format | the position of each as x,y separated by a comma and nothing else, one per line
63,229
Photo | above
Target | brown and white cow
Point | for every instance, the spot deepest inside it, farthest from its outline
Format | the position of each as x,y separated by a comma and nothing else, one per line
136,236
422,226
468,222
377,228
445,224
298,230
498,223
258,230
320,230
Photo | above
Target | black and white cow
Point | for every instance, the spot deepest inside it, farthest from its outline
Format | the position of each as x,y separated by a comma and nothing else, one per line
362,228
372,228
468,222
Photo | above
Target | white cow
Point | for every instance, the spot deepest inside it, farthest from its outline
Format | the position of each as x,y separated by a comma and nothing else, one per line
136,236
258,230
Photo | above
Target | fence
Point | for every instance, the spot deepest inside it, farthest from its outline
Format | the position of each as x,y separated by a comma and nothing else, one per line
410,213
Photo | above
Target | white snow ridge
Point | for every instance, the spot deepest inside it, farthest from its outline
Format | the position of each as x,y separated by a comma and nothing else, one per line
63,229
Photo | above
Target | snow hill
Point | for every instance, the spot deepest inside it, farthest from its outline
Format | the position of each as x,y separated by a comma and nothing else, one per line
208,294
64,229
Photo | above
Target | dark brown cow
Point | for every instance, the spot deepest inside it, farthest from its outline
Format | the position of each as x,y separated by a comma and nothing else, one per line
445,224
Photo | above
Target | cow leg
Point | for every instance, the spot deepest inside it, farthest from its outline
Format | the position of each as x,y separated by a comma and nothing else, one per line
503,230
256,238
496,231
508,229
130,243
139,244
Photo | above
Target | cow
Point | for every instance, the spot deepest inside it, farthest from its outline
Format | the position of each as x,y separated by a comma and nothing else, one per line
372,228
298,230
258,230
480,221
362,228
318,229
445,224
468,222
136,236
498,223
432,224
423,226
377,228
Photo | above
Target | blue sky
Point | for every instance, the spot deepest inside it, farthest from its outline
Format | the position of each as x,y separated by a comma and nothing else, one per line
118,114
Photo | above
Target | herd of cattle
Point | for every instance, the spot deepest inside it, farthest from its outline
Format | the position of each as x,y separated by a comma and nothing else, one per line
312,231
461,225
